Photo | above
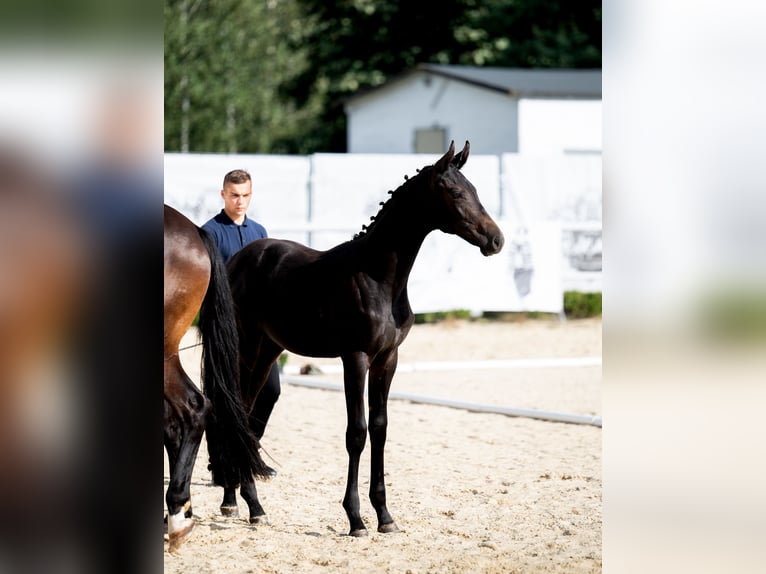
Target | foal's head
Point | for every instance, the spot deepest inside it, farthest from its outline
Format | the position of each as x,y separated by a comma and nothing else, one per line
459,210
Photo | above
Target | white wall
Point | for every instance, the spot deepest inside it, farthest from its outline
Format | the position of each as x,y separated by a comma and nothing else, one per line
385,120
555,126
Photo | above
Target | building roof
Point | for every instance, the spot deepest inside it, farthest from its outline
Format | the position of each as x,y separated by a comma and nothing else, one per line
525,82
517,82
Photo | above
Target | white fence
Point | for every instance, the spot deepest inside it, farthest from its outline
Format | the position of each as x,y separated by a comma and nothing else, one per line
549,209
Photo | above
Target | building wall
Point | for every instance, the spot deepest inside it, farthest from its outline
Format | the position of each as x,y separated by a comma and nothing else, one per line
385,120
556,126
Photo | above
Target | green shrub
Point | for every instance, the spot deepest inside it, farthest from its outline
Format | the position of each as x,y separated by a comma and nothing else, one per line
515,317
579,305
734,313
442,316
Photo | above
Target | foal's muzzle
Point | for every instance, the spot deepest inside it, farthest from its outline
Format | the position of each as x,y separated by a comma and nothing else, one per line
494,243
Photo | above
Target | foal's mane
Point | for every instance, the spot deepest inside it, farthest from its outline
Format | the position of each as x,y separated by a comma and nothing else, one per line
385,205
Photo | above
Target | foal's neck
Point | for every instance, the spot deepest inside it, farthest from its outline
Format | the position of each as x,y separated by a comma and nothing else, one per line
401,226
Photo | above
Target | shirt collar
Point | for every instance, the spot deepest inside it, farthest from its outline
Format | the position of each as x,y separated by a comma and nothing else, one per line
230,220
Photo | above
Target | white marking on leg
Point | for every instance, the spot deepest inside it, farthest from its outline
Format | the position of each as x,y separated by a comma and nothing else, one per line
178,522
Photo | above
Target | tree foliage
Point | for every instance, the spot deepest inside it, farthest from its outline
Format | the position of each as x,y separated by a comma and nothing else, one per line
225,64
271,75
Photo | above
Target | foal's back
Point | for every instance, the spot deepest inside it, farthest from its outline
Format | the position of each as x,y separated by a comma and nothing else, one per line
314,303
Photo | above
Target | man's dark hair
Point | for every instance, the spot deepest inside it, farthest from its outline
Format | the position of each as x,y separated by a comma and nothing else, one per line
236,177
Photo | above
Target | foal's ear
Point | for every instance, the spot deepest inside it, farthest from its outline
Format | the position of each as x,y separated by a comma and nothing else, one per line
462,156
443,163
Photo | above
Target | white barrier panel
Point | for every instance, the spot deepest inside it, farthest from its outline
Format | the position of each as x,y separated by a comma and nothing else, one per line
280,188
548,207
564,189
525,276
348,188
449,273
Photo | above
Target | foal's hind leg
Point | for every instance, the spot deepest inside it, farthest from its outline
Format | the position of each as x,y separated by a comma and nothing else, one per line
249,493
257,355
229,505
381,373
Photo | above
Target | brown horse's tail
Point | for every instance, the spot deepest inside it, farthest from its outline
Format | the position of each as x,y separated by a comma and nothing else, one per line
232,446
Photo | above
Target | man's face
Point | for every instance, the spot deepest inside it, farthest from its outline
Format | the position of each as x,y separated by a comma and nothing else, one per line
236,199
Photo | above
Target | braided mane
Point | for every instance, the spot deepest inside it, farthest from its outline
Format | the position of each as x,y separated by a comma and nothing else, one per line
386,204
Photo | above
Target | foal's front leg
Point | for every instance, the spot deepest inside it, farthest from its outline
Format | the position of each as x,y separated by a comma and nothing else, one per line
354,371
381,374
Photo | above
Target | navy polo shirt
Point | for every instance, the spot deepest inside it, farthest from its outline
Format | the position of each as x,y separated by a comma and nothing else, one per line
230,237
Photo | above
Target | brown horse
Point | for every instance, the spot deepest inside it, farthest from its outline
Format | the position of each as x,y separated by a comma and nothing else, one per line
44,269
195,280
351,301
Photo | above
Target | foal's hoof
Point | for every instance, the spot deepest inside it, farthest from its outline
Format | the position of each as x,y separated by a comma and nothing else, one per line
230,511
388,528
262,519
359,533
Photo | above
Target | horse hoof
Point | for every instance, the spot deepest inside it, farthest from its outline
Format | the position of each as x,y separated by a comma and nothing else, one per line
358,533
388,528
262,519
230,511
176,538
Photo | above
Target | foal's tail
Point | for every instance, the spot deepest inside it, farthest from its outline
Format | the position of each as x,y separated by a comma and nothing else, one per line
233,448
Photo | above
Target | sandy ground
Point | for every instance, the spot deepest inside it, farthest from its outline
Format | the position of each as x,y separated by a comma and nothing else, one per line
471,492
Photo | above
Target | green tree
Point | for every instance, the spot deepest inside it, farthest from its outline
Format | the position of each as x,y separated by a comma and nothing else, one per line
359,44
225,64
271,76
530,34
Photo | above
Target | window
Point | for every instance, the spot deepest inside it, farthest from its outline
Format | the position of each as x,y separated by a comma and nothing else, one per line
430,140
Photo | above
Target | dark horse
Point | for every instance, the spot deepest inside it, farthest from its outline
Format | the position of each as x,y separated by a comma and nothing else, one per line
195,280
351,301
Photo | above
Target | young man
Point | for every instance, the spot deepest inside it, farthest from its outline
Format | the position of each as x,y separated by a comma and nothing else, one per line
232,230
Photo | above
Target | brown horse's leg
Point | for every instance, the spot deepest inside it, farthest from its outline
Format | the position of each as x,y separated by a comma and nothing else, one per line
172,442
381,373
354,371
188,407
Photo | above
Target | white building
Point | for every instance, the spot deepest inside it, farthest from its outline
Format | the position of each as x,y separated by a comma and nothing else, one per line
500,110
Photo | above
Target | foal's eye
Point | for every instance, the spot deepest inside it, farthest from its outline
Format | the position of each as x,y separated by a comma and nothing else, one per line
456,193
